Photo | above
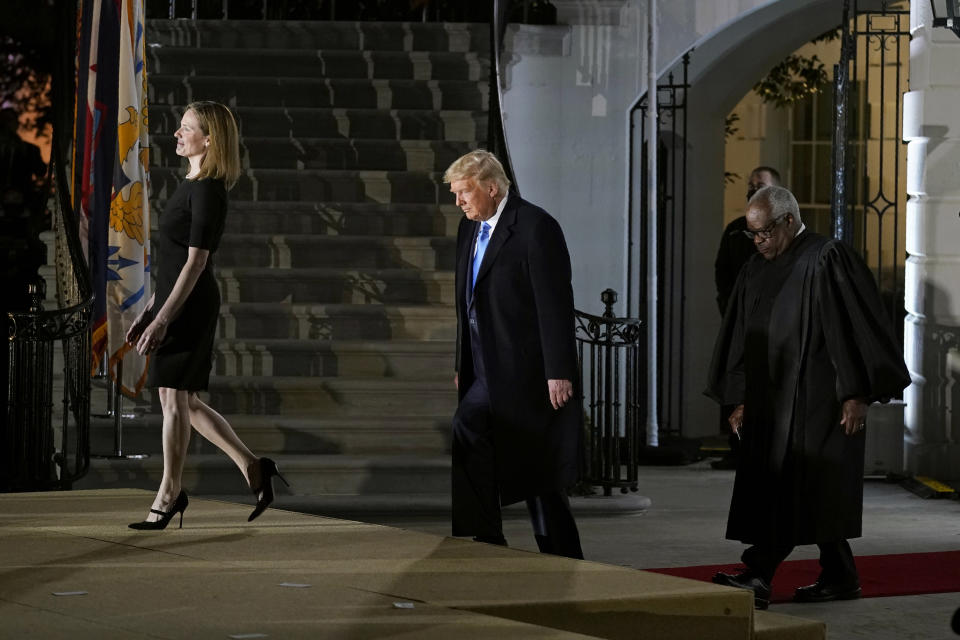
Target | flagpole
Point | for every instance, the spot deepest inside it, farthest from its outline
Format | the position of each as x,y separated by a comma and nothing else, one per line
118,415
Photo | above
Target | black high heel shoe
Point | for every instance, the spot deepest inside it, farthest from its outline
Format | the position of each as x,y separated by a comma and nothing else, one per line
264,493
179,506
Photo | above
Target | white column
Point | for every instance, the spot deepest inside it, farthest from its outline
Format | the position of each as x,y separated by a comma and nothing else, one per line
931,127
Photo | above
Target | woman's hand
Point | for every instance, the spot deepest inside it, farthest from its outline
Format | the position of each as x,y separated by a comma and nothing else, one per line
151,337
141,322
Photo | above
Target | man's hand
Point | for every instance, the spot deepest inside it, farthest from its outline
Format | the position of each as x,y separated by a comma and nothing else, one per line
456,379
736,420
560,392
853,415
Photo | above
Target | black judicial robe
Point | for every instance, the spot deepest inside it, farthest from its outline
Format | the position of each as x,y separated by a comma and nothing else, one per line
803,332
523,301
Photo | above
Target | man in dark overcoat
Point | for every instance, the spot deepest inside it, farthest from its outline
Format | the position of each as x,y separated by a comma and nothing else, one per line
517,428
804,348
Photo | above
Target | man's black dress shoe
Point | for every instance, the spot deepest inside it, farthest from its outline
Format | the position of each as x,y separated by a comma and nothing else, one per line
825,592
747,580
497,540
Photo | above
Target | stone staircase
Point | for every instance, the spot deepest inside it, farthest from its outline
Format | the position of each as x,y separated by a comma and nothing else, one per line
336,269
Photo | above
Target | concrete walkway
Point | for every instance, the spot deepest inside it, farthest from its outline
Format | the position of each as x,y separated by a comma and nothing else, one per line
685,525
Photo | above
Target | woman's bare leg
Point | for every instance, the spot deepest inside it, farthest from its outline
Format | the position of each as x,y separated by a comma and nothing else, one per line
215,428
176,437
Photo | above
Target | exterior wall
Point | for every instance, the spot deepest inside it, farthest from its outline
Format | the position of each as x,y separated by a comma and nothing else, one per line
568,93
568,90
931,127
559,102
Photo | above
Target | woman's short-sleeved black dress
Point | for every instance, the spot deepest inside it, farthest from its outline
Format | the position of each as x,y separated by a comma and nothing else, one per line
194,217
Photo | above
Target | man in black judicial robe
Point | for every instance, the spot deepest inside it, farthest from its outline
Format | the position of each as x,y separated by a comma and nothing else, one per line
517,429
804,347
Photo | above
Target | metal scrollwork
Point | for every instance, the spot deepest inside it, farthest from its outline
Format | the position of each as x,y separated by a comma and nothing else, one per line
600,330
49,325
35,452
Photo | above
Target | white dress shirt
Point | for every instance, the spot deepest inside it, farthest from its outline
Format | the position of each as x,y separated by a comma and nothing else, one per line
492,222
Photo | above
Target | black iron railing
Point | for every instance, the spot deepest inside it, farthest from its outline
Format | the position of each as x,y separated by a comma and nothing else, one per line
671,140
36,453
612,382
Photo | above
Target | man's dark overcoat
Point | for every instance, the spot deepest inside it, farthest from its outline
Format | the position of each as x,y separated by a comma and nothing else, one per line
802,333
523,301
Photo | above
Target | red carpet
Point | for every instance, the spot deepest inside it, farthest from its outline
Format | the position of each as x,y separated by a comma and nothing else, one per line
901,574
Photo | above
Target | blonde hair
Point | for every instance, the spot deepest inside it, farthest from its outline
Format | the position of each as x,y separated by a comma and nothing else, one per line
479,165
222,157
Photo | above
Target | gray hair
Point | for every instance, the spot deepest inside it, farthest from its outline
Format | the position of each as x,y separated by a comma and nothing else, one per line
777,200
478,165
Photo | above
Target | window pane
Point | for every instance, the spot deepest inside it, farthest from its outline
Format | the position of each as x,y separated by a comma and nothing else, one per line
823,187
825,112
801,171
802,120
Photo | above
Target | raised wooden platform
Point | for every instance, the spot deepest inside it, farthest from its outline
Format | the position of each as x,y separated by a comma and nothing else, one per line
291,575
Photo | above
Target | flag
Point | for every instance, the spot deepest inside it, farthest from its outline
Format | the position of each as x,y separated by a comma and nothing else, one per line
128,235
97,91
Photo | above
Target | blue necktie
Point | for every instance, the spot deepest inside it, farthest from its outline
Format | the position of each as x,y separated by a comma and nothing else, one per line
482,242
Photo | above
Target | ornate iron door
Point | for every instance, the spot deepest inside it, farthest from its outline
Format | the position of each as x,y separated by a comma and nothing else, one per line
869,190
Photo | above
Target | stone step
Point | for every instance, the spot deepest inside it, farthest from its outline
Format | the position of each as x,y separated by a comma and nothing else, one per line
380,124
334,397
313,251
336,266
337,321
365,507
206,474
390,286
330,153
328,358
272,435
340,218
292,34
422,187
248,62
312,92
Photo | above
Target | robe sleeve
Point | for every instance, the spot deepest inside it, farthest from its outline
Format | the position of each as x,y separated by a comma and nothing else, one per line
857,329
726,380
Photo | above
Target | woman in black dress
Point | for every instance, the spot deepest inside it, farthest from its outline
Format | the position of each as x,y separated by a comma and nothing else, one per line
179,325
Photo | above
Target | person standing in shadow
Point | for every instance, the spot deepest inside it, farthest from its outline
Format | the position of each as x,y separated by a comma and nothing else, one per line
178,326
517,429
735,249
22,171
